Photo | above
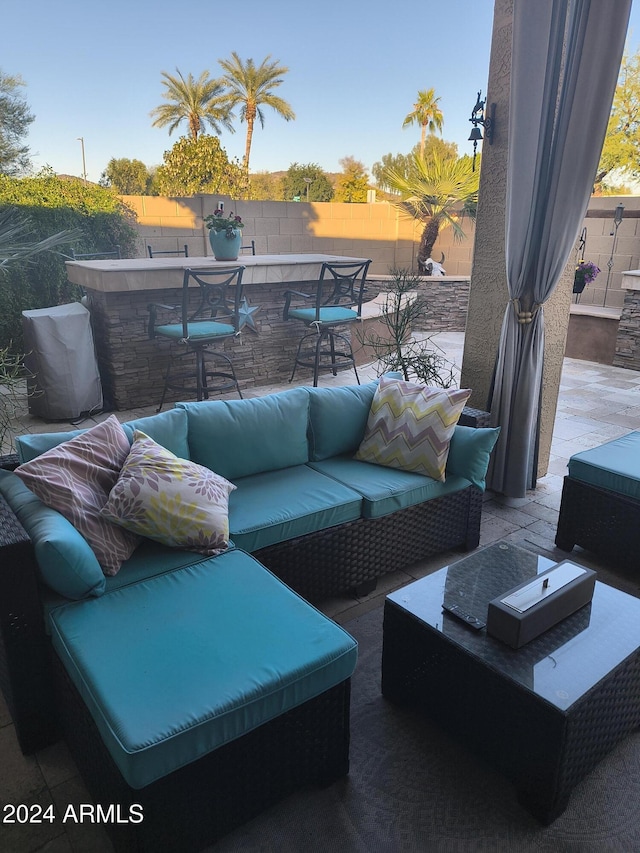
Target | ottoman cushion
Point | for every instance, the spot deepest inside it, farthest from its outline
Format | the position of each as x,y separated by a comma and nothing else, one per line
173,667
614,465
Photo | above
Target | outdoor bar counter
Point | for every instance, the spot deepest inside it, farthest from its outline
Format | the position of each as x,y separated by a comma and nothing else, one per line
132,366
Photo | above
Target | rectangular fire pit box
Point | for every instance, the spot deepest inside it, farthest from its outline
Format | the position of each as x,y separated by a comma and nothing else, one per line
524,612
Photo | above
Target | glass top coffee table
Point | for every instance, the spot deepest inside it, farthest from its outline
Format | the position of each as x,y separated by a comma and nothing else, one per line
544,714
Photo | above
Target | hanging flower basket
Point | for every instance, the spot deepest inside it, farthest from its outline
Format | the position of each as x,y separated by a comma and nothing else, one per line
586,272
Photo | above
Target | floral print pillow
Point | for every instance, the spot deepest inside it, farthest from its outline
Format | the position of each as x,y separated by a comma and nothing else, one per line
171,500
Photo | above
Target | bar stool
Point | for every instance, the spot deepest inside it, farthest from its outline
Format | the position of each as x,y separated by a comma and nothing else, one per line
338,282
215,318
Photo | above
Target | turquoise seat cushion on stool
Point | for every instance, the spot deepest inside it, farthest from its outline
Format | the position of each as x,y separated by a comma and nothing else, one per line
176,666
280,505
385,490
614,465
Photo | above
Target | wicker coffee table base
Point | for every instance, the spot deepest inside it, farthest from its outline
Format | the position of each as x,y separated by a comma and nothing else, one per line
543,750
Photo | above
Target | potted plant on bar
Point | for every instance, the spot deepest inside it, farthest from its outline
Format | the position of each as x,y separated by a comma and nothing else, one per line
225,234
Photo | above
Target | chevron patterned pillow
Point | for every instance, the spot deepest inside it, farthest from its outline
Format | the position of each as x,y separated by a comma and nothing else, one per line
410,426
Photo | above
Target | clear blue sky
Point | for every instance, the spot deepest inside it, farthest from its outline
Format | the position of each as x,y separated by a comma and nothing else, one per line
94,71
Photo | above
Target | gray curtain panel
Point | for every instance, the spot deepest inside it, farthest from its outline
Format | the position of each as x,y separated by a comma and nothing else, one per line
565,62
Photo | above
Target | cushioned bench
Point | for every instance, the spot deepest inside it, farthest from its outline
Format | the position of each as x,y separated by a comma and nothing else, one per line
159,676
600,507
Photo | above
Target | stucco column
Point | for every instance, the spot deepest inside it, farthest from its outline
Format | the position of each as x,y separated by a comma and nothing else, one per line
489,293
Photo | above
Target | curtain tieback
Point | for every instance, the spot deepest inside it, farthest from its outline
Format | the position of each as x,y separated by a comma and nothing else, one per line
524,316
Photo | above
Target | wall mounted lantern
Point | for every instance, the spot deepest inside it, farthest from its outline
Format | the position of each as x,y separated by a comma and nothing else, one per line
479,119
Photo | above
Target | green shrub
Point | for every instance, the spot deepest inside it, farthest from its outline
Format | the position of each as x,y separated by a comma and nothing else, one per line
52,205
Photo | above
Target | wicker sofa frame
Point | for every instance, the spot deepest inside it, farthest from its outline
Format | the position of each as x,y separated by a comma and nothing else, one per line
601,521
318,565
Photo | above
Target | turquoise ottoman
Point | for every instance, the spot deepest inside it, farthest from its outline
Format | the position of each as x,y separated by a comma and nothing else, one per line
201,696
600,507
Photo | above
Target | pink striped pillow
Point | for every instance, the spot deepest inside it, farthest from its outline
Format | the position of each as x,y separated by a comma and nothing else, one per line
75,478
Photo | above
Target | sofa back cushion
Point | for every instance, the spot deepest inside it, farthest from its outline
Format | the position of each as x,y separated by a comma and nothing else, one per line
236,438
337,419
168,428
470,452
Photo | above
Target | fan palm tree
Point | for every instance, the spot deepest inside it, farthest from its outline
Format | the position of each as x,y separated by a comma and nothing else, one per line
438,192
198,102
251,88
16,243
426,113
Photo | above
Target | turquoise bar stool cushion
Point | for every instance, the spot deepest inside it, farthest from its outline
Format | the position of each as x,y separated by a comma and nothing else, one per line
614,465
174,667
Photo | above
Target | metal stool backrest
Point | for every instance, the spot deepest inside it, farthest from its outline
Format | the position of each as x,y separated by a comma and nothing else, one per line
220,296
342,282
184,251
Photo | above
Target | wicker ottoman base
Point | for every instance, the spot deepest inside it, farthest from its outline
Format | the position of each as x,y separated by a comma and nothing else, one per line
195,806
600,521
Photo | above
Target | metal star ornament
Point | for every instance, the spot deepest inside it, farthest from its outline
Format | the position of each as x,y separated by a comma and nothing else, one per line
246,316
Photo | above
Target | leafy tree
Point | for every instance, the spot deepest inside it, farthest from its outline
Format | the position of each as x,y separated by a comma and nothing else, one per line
353,183
621,149
401,163
15,119
199,165
266,186
426,113
198,102
438,193
251,88
126,177
317,187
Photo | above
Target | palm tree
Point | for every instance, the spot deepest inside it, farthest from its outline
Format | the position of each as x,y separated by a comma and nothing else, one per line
426,113
198,102
438,192
251,88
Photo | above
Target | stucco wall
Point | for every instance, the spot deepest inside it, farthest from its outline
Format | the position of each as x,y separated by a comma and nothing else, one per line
377,231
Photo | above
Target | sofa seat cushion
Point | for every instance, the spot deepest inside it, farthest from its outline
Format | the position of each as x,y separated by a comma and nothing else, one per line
176,666
614,465
385,490
280,505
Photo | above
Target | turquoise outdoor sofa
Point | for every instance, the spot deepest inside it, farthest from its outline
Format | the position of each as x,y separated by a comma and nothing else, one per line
305,512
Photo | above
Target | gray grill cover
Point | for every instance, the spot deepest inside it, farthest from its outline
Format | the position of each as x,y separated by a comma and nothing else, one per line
58,342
